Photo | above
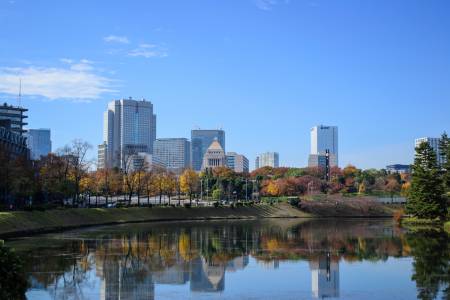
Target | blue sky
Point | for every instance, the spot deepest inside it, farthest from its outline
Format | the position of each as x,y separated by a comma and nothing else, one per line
264,70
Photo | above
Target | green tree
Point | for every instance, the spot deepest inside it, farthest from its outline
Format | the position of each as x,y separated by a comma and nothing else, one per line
425,197
13,281
444,147
217,194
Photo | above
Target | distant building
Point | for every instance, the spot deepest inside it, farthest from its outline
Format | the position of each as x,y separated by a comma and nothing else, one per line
237,162
324,138
12,118
200,141
13,143
319,160
175,153
129,127
144,162
12,139
397,168
268,159
214,156
434,143
102,155
39,142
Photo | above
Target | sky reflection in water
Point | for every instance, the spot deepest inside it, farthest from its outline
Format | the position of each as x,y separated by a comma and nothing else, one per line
281,259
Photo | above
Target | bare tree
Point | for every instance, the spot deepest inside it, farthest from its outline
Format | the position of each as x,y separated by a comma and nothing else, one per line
79,163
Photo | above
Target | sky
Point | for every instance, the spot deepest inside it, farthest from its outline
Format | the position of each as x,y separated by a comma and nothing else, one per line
265,71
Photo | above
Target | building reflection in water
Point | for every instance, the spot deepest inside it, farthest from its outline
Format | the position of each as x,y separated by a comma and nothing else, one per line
129,265
121,280
325,277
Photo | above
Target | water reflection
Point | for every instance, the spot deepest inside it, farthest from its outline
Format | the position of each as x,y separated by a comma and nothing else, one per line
197,259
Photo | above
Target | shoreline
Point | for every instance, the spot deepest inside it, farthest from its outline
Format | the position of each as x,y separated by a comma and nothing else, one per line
21,223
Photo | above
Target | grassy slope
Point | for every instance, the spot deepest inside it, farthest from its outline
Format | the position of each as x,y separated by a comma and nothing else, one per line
22,222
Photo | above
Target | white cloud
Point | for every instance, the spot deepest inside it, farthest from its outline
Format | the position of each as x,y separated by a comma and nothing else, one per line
76,81
148,51
269,4
265,4
116,39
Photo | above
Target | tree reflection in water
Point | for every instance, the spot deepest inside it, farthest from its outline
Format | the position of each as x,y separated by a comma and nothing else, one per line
130,260
431,253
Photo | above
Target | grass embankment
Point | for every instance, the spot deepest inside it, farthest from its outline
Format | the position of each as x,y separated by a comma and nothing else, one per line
21,223
13,224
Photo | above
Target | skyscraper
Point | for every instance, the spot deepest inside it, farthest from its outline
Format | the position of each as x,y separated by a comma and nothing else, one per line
175,153
323,138
39,143
434,143
200,141
267,159
237,162
129,127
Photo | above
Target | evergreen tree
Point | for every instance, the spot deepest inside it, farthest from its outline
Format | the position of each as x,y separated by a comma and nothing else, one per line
444,149
426,196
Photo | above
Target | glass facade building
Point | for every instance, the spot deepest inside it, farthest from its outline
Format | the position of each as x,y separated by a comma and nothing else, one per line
200,142
175,153
39,142
129,127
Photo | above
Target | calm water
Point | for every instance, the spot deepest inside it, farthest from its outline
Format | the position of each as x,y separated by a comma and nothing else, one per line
282,259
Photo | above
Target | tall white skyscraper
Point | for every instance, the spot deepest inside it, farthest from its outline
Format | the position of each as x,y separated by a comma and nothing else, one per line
323,138
434,143
129,127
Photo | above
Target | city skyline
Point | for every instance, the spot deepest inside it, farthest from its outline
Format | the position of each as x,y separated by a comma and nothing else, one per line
287,79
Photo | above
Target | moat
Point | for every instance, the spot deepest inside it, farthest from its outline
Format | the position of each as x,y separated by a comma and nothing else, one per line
270,259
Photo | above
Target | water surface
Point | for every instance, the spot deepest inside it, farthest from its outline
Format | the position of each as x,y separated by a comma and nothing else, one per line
273,259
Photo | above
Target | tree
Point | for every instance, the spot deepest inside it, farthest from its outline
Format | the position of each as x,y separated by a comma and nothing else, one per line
444,149
272,189
128,174
79,163
425,197
189,181
217,194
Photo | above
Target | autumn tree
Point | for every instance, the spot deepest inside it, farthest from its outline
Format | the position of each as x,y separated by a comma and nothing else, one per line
189,182
79,164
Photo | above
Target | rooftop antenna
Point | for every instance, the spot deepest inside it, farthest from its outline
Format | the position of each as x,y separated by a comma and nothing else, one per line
19,98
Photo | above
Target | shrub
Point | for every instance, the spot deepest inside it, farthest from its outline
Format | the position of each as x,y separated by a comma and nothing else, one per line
216,204
187,205
294,202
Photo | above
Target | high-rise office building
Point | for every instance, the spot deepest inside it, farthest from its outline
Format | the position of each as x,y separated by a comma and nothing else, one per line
129,127
200,141
323,138
434,143
237,162
267,159
175,153
12,117
39,142
12,139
